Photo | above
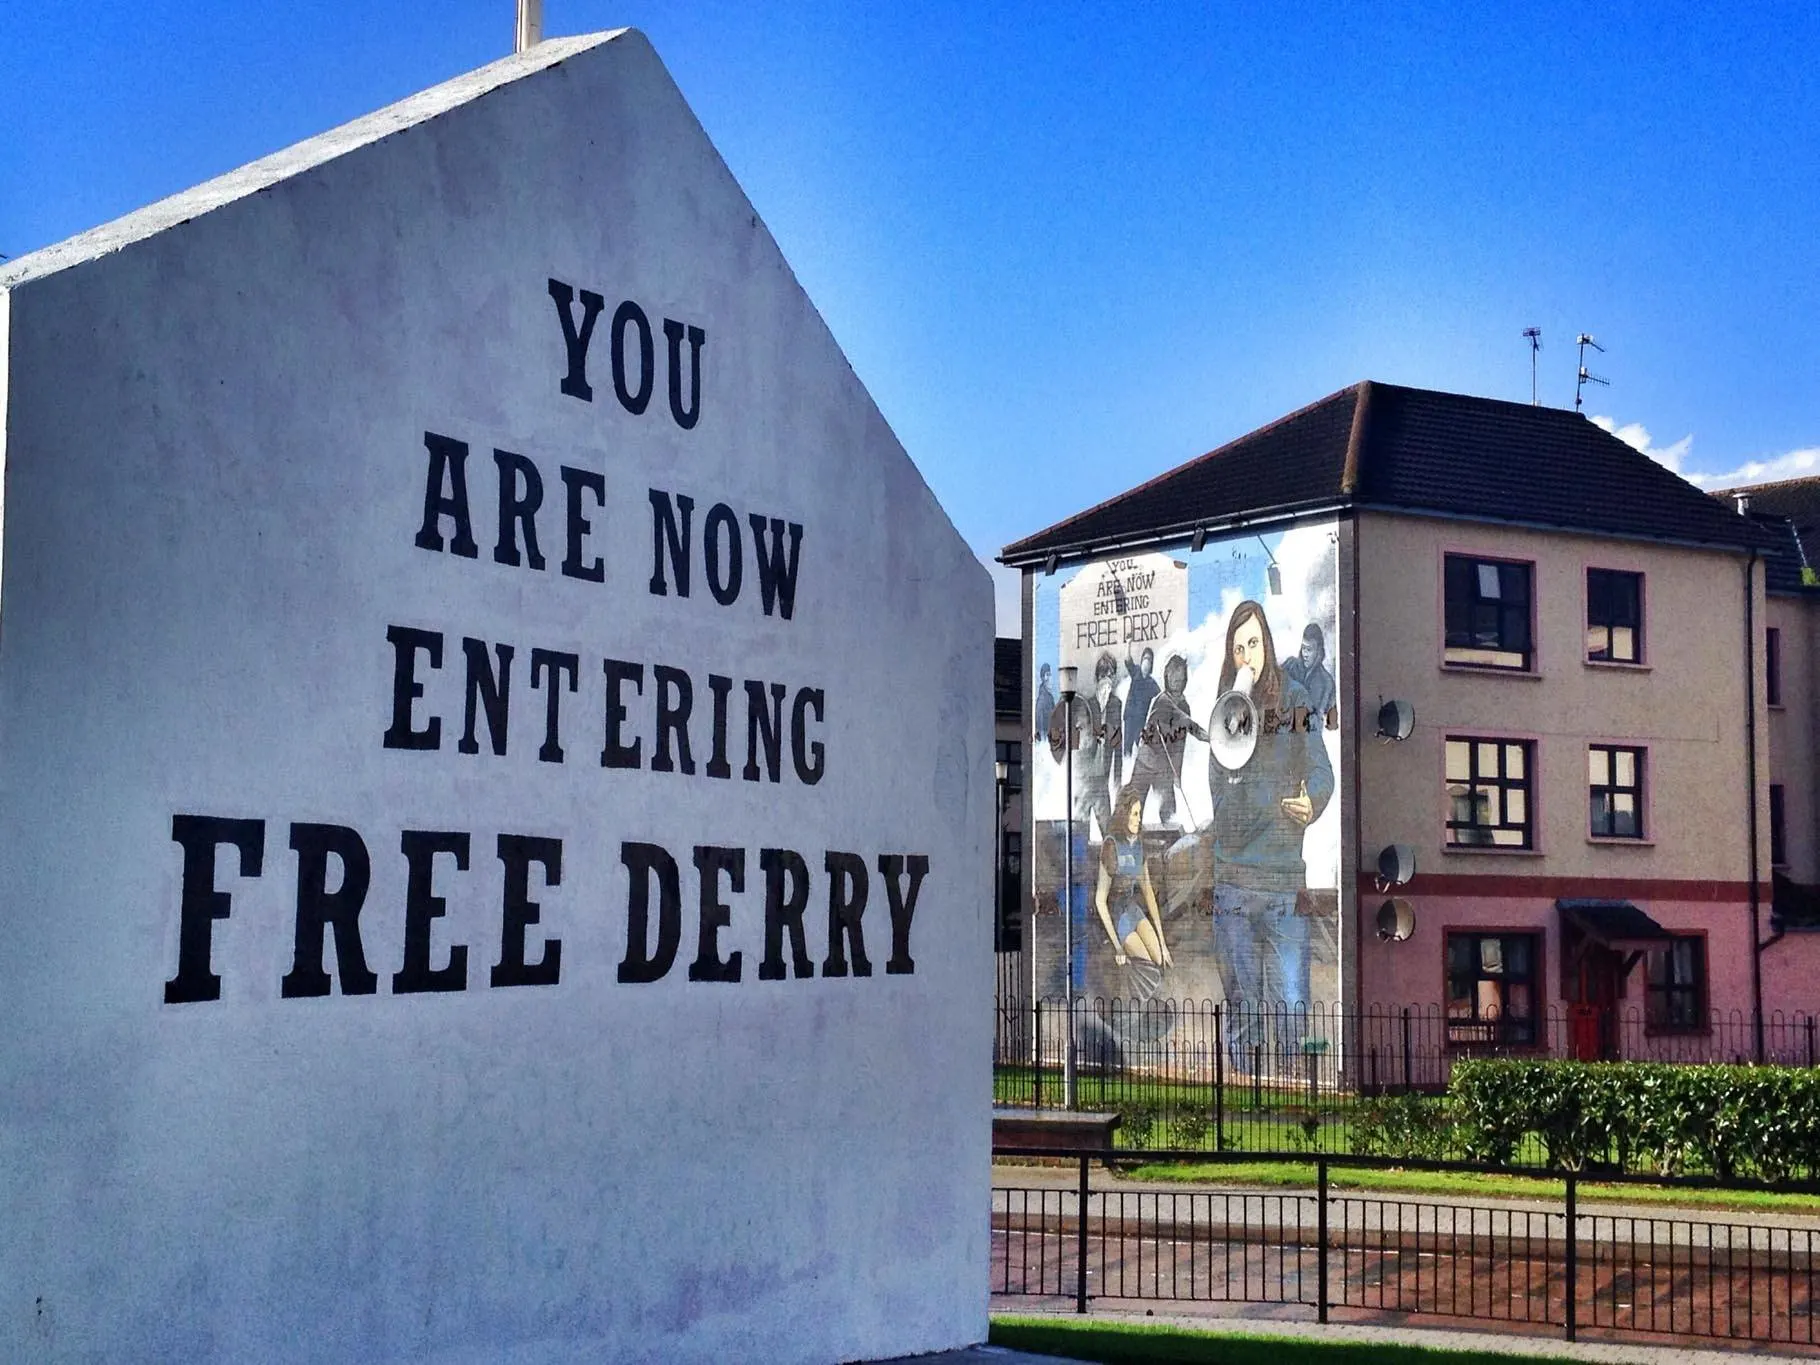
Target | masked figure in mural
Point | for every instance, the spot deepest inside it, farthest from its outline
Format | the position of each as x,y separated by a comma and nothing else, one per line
1139,693
1097,722
1260,809
1160,748
1045,704
1309,668
1126,900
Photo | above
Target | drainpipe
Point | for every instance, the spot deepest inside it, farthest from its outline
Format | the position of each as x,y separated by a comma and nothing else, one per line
1750,785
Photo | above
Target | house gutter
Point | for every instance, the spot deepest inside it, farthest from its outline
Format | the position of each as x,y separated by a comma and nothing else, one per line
1174,534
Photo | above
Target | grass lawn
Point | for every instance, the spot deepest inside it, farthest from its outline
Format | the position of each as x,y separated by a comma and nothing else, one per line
1139,1344
1296,1174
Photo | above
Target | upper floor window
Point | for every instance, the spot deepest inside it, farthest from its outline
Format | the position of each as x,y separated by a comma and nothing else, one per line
1488,793
1614,779
1614,616
1488,612
1772,666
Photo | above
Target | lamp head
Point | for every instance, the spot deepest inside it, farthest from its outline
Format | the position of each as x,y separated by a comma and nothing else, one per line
1068,681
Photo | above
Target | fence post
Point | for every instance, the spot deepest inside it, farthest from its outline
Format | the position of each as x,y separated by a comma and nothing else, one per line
1080,1245
1810,1040
1039,1053
1257,1076
1573,1256
1320,1184
1219,1080
1409,1083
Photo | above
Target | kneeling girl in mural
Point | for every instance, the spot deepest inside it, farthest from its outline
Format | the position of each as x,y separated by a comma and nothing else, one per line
1125,889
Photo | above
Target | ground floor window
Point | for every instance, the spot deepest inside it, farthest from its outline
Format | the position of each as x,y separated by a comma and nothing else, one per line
1674,995
1491,987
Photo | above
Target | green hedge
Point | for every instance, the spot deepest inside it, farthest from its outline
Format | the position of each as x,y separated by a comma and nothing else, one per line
1757,1122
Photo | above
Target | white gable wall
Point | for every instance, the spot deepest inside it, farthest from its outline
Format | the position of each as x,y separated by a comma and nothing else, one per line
215,470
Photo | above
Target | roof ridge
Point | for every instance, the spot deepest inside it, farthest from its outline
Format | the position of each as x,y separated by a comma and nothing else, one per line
1186,465
1748,488
1355,439
264,172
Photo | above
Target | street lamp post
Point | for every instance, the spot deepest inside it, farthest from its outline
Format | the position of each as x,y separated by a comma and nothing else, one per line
1067,676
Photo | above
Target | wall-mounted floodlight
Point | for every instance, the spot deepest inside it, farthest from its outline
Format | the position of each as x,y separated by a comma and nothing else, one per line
1054,563
1199,542
1395,720
1272,574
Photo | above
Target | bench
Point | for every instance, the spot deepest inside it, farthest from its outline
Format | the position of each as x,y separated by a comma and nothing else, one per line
1053,1130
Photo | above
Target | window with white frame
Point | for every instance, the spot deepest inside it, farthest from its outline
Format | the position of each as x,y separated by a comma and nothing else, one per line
1487,612
1614,616
1488,793
1491,987
1614,788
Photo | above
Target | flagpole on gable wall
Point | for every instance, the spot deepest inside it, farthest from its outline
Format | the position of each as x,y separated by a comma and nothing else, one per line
530,25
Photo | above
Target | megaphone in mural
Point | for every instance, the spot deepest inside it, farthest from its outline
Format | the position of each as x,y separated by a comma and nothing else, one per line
1232,730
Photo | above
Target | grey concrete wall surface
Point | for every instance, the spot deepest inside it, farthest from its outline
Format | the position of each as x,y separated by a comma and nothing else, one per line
420,945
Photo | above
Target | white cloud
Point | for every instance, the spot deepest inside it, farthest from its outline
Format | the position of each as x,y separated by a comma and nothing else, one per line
1794,465
1636,436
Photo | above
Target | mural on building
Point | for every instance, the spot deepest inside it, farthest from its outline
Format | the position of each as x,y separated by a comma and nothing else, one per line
1202,764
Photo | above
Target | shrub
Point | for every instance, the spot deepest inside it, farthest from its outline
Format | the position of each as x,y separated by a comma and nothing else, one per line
1137,1124
1419,1126
1732,1121
1189,1128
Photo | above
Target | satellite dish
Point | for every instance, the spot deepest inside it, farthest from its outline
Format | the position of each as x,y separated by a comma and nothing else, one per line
1232,730
1396,865
1396,920
1395,720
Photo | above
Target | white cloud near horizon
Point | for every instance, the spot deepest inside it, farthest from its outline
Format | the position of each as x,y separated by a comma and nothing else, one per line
1794,464
1636,436
1773,469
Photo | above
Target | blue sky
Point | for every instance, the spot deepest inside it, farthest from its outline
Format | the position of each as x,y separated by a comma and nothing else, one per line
1068,247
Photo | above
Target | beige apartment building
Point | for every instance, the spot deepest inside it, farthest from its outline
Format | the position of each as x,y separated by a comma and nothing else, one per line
1487,716
1790,512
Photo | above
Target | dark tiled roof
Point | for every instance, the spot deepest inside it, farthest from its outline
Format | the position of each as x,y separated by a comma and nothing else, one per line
1399,449
1790,511
1008,676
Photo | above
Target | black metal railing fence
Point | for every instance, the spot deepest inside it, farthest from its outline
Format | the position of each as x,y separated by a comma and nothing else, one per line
1311,1078
1680,1274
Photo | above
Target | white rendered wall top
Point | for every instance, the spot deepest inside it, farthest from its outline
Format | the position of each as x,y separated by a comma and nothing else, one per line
246,654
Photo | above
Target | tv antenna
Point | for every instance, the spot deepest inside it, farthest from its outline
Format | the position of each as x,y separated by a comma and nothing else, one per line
1586,376
1534,336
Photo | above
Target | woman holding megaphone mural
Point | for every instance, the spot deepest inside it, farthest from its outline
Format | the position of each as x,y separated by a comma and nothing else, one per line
1269,778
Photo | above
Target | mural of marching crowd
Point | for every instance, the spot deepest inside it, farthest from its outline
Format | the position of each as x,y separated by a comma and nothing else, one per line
1201,763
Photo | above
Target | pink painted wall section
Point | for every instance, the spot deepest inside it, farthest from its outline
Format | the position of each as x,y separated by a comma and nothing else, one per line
1412,972
1791,974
